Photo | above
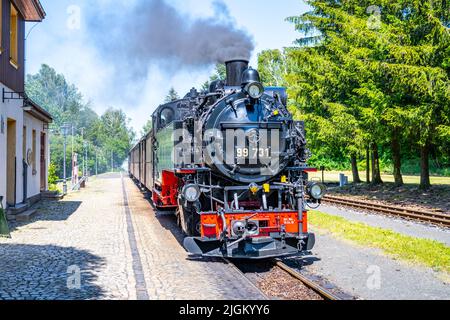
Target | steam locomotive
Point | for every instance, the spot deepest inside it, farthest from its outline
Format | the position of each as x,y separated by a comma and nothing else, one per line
232,164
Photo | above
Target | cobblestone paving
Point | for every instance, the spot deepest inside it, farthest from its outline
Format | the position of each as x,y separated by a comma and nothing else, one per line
88,234
169,274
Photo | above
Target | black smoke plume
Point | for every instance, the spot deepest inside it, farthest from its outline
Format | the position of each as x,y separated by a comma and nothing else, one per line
153,31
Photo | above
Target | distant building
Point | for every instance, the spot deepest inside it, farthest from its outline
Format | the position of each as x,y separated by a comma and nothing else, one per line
24,147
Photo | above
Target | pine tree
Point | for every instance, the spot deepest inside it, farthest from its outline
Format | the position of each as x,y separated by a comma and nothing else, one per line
386,63
172,95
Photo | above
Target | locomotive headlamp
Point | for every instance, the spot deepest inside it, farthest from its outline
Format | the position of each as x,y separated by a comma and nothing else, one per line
316,190
254,188
254,89
191,192
242,228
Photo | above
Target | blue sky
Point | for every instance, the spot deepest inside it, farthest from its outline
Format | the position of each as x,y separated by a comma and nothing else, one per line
63,43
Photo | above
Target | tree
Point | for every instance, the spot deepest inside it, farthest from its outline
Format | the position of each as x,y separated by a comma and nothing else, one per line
61,99
101,136
272,67
171,96
147,127
387,67
317,86
220,73
114,133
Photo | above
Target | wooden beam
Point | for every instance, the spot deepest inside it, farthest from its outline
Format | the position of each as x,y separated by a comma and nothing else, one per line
31,10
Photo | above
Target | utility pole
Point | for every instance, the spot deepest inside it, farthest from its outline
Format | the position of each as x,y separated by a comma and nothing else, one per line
72,142
82,139
71,158
96,162
112,161
86,158
65,129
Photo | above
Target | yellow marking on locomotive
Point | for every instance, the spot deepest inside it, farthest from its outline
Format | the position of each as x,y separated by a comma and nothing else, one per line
266,188
254,189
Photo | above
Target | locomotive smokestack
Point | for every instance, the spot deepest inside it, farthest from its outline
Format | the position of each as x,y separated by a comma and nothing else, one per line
235,69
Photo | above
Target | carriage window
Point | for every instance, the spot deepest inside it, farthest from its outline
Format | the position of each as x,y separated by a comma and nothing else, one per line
167,117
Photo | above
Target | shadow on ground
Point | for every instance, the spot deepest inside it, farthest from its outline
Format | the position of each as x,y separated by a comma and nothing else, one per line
31,272
50,210
300,262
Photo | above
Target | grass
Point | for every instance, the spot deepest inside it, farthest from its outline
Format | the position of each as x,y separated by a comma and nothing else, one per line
333,176
425,252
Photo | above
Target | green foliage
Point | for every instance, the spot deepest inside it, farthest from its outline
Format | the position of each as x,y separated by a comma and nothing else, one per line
63,100
361,75
54,188
272,66
411,167
114,134
100,138
147,127
220,73
52,176
172,95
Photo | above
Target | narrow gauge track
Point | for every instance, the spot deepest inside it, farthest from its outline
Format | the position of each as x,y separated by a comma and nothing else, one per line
324,293
435,218
254,267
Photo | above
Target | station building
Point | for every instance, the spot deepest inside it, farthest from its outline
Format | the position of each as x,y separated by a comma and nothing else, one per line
24,136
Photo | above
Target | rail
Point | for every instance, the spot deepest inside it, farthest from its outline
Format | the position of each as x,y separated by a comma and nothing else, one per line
440,219
259,268
324,293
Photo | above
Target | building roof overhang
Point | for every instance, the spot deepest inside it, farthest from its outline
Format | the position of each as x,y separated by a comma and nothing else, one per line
31,10
37,112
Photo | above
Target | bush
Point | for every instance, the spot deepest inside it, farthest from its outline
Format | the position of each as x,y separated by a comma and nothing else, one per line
54,188
52,176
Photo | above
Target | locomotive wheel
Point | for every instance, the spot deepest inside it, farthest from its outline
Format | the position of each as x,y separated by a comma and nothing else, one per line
194,226
192,221
179,222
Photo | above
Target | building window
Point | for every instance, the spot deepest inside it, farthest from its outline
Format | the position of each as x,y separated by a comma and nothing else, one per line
34,152
14,38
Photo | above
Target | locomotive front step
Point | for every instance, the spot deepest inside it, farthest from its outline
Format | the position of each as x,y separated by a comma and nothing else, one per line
252,248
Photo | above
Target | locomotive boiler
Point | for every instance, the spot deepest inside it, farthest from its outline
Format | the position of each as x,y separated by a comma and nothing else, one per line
232,164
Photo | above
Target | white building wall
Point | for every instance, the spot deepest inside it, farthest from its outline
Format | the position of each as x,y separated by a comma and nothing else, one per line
2,150
3,113
12,109
34,178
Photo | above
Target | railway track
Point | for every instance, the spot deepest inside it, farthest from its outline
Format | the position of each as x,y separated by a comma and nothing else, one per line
436,218
324,293
287,281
